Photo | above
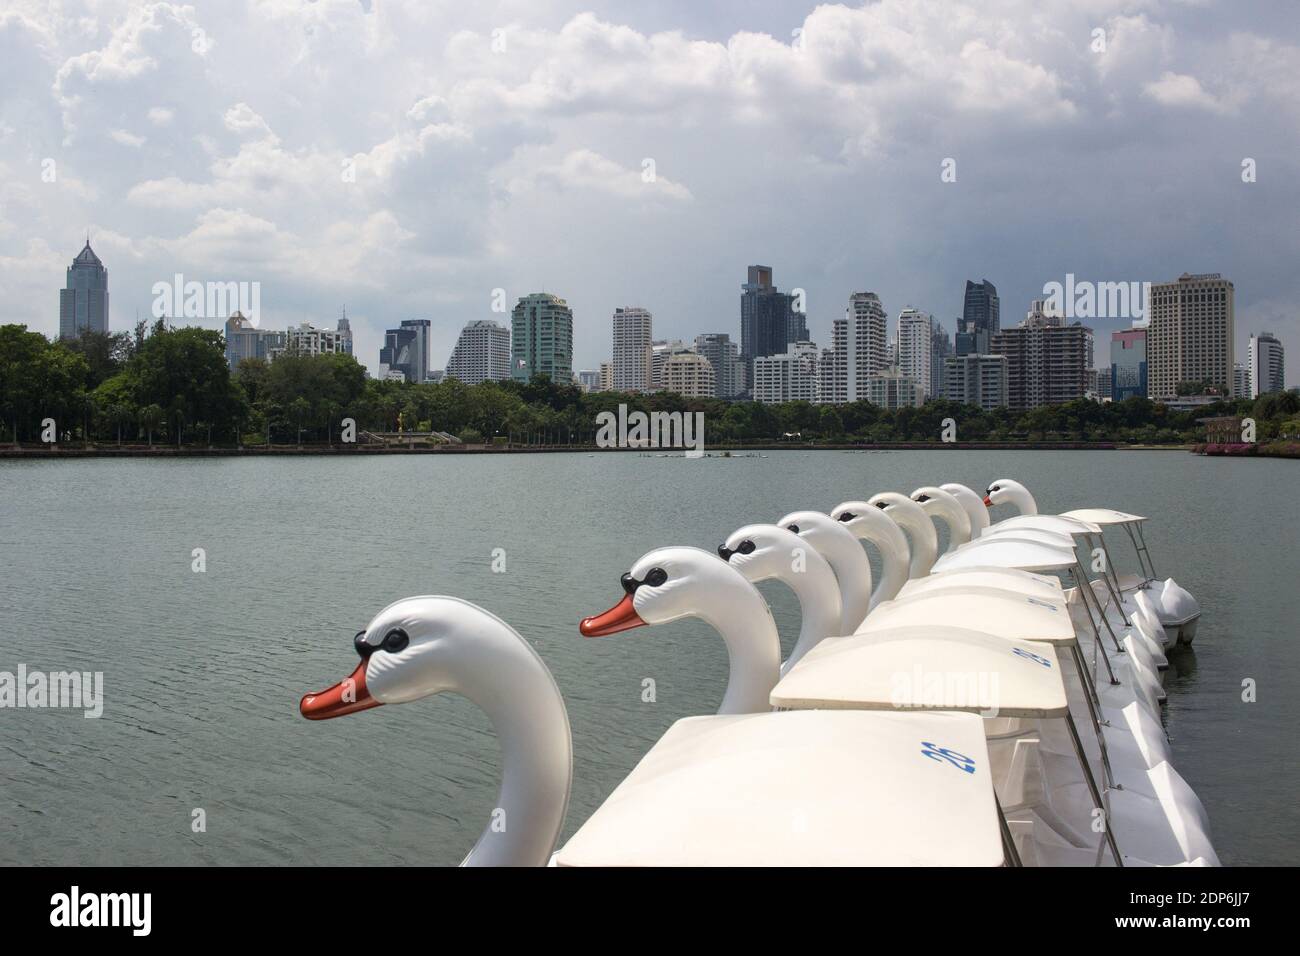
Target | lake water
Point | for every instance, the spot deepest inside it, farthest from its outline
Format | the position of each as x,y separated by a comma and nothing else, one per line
203,672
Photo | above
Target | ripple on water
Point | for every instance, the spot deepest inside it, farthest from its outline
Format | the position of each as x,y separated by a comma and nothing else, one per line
203,672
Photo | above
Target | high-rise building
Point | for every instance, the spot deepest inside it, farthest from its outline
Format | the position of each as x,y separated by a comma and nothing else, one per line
406,350
306,339
607,376
541,338
1100,382
893,388
1190,334
980,318
723,355
633,333
916,349
858,349
660,352
768,320
788,377
940,349
344,329
589,380
1047,363
482,353
1128,363
246,341
83,304
1267,365
1240,380
689,374
979,380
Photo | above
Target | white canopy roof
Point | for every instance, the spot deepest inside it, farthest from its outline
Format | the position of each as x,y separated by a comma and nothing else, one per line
1102,516
1006,551
802,788
1055,539
1063,524
937,668
1013,580
1001,613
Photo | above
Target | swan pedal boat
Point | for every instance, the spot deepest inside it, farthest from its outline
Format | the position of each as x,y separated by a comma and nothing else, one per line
1031,734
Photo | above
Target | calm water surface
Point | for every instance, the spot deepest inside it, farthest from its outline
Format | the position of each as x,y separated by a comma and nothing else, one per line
203,672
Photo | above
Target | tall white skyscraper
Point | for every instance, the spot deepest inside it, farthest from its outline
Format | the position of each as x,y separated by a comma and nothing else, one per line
791,376
633,333
859,343
1190,336
1240,381
1267,367
916,349
482,353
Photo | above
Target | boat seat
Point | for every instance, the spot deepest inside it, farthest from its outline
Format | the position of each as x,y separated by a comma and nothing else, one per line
1017,776
1130,582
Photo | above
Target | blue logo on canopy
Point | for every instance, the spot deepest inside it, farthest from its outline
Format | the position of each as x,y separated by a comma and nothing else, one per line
960,761
1031,656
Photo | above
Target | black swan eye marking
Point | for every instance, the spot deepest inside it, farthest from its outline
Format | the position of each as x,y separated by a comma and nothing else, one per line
654,577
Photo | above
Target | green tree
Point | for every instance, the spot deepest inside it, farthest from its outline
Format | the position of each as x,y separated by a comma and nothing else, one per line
151,418
118,415
184,370
105,353
38,380
300,411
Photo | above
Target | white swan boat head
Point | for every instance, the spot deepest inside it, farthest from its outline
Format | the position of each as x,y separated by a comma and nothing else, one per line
973,503
912,518
421,646
874,526
669,584
1007,491
841,549
945,506
763,552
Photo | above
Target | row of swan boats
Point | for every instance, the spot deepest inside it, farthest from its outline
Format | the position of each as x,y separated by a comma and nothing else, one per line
991,705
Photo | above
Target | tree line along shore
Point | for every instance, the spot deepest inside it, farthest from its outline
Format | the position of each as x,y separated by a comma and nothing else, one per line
160,386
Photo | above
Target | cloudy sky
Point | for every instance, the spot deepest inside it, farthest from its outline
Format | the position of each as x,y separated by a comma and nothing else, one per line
406,159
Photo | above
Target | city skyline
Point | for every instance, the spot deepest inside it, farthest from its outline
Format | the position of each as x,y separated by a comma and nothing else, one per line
417,194
1051,359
